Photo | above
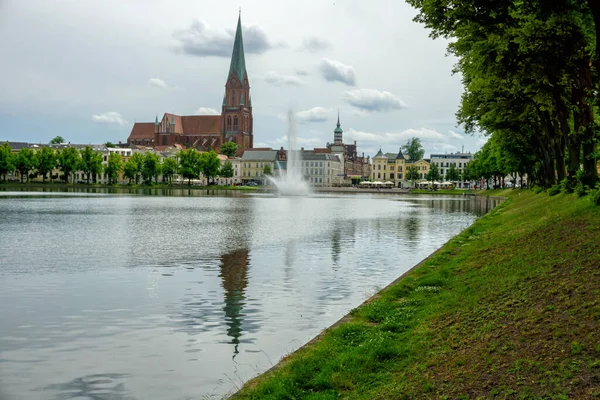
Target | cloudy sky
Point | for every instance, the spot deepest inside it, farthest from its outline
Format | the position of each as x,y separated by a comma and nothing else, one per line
88,69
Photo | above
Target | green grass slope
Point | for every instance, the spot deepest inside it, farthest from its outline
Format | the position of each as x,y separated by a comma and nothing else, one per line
510,308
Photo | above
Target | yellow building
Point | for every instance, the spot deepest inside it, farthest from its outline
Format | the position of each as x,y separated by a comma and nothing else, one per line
253,165
392,167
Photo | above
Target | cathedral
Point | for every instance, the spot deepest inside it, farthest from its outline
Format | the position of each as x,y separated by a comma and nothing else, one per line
207,132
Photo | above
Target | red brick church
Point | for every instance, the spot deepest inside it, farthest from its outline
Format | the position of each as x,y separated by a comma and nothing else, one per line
206,132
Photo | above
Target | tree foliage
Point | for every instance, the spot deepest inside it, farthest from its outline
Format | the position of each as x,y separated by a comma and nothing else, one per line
210,164
113,167
46,161
189,164
25,162
130,169
229,149
414,149
530,76
412,174
91,163
6,160
226,170
151,167
433,174
57,140
452,174
68,161
169,168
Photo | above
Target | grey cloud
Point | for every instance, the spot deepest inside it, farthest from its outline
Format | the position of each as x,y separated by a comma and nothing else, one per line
111,117
333,70
302,72
315,44
373,100
277,79
203,41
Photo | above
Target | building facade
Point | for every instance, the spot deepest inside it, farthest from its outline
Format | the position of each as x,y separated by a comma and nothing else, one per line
208,132
355,167
458,160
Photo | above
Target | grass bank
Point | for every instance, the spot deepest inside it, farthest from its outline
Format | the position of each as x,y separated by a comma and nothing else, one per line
509,308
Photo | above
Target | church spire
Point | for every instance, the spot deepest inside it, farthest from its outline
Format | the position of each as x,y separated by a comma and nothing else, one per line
238,60
338,132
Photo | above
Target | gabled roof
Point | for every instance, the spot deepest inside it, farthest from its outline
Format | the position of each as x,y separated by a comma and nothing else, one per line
142,130
400,155
238,60
177,118
379,154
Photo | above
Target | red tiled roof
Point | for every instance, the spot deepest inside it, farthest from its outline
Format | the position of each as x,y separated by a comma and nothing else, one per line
178,124
322,150
199,124
142,130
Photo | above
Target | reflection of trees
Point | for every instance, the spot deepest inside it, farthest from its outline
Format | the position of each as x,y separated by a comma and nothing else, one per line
234,277
412,225
336,245
343,232
93,387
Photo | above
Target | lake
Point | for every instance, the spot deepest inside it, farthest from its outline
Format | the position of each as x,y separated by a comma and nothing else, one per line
128,296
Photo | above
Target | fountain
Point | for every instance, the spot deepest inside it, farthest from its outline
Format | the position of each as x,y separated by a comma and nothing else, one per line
290,180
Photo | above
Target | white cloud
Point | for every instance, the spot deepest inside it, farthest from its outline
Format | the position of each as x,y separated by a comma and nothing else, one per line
207,111
374,100
199,39
277,79
315,44
315,114
110,117
455,135
333,70
157,83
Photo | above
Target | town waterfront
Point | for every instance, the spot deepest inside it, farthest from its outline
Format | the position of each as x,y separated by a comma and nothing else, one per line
185,297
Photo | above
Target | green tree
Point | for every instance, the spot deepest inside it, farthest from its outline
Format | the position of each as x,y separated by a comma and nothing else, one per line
6,160
68,161
151,167
113,167
229,149
138,159
46,161
226,170
452,174
25,162
110,145
414,149
433,174
189,164
91,163
412,174
210,165
57,140
169,168
130,169
267,170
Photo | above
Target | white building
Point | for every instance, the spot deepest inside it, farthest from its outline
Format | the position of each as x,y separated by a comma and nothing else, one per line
322,169
445,161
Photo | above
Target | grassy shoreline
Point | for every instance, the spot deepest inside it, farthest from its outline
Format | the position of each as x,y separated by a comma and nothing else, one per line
509,308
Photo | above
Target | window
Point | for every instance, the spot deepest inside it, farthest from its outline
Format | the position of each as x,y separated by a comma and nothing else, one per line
391,176
235,123
229,122
379,166
379,175
384,167
392,167
256,165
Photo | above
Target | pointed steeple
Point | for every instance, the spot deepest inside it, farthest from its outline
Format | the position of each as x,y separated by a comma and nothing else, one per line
337,133
400,155
156,121
224,100
238,60
379,154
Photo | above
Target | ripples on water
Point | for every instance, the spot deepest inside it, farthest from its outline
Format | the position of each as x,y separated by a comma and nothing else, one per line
148,297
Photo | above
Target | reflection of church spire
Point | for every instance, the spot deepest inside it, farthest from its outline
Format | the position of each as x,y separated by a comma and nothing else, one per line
234,276
336,246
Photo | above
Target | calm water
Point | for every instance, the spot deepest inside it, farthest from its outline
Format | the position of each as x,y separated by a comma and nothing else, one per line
185,297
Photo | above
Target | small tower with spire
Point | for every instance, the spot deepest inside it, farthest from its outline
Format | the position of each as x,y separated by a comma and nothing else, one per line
237,120
337,133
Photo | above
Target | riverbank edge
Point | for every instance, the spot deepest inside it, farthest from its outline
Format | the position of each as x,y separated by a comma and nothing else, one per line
495,194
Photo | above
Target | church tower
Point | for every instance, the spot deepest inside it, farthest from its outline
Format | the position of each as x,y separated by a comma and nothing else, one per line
236,121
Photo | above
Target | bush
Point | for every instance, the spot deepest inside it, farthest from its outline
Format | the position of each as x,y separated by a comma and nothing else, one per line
554,190
595,195
537,189
581,189
565,186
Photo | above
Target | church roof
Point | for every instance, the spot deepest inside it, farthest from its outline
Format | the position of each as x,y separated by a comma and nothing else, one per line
142,130
238,60
196,124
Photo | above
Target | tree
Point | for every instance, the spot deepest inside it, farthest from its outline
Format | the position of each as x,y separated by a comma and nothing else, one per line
114,167
91,163
267,170
210,164
130,170
6,160
229,149
169,168
189,164
226,170
25,161
414,149
433,174
110,145
68,161
452,174
46,161
412,174
151,167
138,159
57,140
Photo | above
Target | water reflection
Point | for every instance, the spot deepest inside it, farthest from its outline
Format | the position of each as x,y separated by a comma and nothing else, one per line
234,278
92,387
